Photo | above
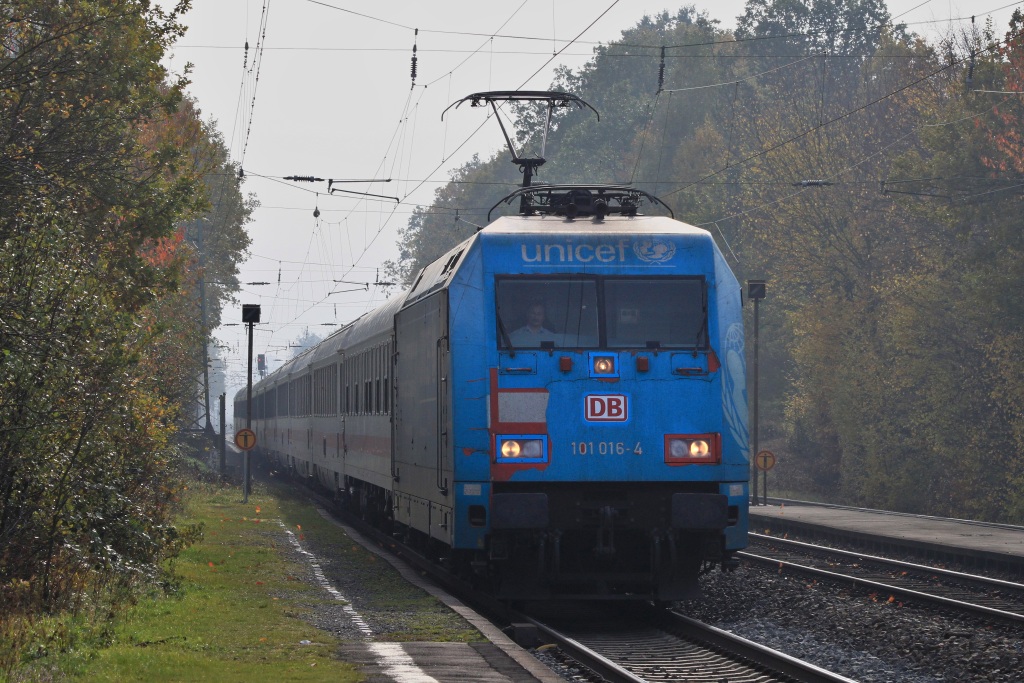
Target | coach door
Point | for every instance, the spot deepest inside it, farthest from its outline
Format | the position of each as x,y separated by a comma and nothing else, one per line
422,466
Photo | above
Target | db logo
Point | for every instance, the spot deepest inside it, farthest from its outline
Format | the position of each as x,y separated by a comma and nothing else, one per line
606,408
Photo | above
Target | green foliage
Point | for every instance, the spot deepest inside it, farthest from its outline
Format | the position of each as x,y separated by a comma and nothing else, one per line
238,612
100,158
833,27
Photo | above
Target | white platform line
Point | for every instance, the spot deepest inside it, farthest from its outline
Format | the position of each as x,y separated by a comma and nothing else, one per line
318,572
399,665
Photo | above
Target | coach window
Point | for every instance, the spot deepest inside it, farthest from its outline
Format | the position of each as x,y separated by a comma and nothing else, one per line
334,389
547,313
387,374
380,372
655,313
345,370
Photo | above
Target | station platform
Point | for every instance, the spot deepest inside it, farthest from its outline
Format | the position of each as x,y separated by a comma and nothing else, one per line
974,543
500,660
440,663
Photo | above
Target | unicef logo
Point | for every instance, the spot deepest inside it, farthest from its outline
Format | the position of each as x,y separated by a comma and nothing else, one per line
654,250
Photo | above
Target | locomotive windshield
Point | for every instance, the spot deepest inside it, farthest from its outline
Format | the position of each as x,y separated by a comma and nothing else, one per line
591,312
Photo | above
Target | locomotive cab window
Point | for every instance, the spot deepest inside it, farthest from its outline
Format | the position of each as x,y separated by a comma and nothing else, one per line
547,313
655,313
592,312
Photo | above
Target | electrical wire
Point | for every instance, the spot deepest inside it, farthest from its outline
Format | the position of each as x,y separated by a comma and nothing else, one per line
489,41
257,65
806,34
863,161
368,243
829,122
557,53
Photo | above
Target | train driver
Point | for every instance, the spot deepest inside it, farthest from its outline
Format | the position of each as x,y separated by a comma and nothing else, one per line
533,332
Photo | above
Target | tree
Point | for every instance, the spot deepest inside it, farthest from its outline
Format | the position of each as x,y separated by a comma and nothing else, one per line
100,159
303,342
801,27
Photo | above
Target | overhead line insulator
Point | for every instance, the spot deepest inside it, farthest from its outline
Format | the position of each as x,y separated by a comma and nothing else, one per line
413,69
661,70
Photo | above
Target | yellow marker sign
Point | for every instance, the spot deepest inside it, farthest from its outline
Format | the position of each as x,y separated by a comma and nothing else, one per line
764,460
245,439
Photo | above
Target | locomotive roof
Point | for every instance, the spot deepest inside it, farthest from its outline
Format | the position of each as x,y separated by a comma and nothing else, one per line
615,224
437,273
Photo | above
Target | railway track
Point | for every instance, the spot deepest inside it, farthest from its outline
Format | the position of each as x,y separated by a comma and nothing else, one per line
620,642
638,644
977,595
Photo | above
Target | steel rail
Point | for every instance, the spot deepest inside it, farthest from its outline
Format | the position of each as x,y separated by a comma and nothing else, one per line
802,671
889,588
762,662
585,655
900,564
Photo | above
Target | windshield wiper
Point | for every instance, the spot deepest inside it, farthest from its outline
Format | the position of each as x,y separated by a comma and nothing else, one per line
505,338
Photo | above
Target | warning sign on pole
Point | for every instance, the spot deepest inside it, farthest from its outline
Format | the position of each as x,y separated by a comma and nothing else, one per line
245,439
764,460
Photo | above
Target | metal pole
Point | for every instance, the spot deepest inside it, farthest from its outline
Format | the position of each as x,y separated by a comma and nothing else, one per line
756,445
248,423
208,426
223,434
764,487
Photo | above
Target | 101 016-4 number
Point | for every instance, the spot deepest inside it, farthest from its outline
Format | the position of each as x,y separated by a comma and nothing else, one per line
605,448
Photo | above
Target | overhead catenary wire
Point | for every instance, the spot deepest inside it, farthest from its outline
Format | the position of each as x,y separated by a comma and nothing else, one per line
254,70
369,242
535,53
429,179
864,160
808,34
840,117
804,34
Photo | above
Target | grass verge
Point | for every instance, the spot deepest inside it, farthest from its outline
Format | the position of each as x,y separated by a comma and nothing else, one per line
243,606
236,613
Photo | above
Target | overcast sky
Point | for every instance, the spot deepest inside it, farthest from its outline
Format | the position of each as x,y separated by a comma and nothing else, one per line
330,96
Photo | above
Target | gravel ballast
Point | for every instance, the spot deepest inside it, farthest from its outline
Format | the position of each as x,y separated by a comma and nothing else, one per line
852,632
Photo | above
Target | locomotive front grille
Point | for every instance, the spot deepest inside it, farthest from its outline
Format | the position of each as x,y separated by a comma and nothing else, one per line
575,506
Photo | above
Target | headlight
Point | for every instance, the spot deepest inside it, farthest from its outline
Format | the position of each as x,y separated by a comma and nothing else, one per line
603,364
692,448
522,448
699,448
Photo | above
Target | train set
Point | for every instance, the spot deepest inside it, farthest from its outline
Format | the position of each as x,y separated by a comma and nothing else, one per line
555,407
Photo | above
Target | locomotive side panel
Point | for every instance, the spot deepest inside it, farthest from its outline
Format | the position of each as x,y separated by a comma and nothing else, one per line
471,313
422,461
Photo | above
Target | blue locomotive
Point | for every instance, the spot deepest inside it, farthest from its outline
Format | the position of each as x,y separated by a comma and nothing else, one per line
557,405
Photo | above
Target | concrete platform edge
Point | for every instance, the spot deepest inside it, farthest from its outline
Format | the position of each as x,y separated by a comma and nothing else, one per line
530,663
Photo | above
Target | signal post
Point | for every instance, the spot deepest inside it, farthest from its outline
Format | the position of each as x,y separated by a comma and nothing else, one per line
756,292
250,316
